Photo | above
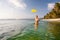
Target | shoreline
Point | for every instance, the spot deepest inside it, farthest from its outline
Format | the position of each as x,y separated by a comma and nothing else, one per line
58,19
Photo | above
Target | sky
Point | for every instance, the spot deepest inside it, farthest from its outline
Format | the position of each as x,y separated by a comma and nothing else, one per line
21,9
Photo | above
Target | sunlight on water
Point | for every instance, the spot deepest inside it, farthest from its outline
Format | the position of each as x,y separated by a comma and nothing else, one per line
24,30
30,34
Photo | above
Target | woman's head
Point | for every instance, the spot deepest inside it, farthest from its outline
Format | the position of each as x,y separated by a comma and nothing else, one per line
36,16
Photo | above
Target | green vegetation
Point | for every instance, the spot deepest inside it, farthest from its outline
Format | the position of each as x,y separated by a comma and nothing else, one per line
55,12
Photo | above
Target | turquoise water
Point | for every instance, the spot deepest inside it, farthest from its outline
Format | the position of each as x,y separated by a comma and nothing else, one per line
29,33
24,30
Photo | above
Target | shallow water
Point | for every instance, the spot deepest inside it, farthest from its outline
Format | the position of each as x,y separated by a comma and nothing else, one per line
24,30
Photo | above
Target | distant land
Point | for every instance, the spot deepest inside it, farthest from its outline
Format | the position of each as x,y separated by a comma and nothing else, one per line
54,13
17,19
21,19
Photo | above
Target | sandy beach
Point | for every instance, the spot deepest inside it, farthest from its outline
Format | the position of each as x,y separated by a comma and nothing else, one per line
58,19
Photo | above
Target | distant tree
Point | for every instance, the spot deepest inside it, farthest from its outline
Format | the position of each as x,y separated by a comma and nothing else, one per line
55,12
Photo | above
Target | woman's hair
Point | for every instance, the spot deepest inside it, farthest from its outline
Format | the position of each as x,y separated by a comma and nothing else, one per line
37,16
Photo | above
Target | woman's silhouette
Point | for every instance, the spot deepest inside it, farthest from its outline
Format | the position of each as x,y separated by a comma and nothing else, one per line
36,22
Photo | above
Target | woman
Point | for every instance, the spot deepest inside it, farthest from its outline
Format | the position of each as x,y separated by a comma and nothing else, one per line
36,22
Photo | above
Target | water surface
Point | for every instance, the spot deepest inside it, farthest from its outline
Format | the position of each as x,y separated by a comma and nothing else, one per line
24,30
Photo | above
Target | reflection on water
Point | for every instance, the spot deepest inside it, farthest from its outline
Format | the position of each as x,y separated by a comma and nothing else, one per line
24,30
29,32
45,31
54,29
9,28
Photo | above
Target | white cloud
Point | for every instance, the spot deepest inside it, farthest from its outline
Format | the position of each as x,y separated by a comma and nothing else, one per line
58,2
18,3
51,6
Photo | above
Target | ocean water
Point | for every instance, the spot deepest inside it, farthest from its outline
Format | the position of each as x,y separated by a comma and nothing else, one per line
24,30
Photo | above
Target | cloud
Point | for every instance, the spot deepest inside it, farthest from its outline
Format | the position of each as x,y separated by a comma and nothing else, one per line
18,3
51,6
8,12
